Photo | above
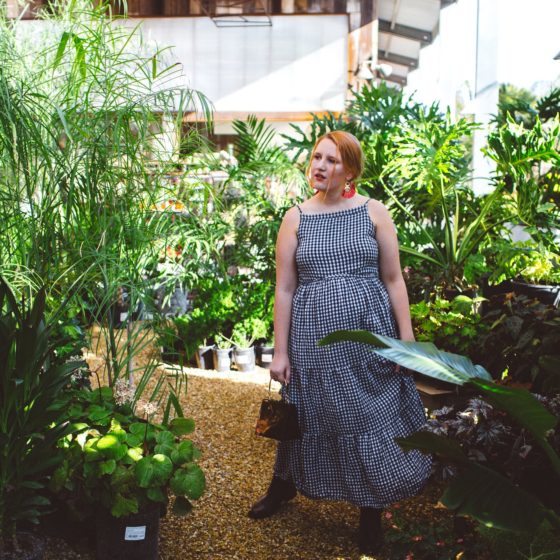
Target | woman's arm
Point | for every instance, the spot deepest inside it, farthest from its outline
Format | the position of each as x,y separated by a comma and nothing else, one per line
390,268
286,284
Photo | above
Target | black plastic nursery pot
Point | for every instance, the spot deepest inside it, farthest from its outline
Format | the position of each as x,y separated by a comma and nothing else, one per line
264,355
547,294
244,358
204,357
222,359
132,537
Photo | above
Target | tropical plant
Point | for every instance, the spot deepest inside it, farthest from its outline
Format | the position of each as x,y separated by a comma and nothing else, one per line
522,344
453,325
124,462
524,260
32,403
441,223
82,119
246,332
527,162
479,491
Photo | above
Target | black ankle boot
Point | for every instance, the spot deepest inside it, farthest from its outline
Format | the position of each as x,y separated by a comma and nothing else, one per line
370,534
278,492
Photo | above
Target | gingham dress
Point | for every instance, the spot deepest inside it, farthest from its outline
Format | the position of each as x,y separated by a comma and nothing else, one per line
351,403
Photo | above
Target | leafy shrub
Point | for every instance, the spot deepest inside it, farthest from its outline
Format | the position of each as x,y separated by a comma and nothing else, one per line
220,305
453,325
529,261
124,462
522,343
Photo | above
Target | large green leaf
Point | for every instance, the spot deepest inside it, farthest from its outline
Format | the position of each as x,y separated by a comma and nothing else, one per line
427,442
181,506
182,426
189,481
423,357
478,491
111,447
154,470
184,453
493,499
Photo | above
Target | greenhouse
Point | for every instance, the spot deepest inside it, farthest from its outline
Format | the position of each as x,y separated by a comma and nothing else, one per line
279,279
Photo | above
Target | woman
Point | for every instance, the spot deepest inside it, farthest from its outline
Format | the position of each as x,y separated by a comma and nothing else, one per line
338,268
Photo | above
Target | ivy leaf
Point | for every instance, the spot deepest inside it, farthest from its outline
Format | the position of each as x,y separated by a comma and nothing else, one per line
154,470
156,494
111,447
182,506
183,453
107,467
189,481
135,453
182,426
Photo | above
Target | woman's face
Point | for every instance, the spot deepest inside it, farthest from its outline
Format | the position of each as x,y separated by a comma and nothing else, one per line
326,167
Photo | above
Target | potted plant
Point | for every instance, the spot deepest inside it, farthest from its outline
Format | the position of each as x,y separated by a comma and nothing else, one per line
222,353
121,468
242,337
265,353
204,356
531,268
31,408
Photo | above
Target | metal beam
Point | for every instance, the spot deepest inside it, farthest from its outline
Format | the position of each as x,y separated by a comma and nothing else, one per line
421,35
397,59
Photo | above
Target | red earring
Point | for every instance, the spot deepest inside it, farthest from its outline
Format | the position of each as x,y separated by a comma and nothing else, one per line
349,190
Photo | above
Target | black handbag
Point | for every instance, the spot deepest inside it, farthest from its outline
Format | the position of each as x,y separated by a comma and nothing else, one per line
277,420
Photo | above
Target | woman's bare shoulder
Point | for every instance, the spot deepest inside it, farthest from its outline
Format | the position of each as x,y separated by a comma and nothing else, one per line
378,212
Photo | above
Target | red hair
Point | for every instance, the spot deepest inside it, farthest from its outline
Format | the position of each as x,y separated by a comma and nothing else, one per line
349,149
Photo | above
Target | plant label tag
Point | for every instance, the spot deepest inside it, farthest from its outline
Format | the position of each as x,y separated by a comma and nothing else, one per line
223,363
266,357
124,316
242,359
135,533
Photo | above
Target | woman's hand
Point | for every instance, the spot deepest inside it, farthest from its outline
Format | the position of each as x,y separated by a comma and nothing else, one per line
280,368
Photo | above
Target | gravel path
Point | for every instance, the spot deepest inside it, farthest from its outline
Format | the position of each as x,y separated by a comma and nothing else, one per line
238,467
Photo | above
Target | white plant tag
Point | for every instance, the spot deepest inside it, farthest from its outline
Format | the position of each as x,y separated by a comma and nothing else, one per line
266,357
242,359
223,363
124,315
135,533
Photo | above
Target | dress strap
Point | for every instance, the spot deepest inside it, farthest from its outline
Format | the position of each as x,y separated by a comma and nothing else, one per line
366,202
299,210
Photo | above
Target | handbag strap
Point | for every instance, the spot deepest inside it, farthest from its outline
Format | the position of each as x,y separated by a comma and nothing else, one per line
270,390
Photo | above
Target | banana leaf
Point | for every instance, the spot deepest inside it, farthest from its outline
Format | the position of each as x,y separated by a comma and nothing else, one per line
479,491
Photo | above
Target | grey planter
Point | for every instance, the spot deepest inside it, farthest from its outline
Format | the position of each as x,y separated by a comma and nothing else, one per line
244,358
204,357
222,359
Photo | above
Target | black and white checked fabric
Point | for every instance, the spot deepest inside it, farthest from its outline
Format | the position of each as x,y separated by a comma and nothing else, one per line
351,403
